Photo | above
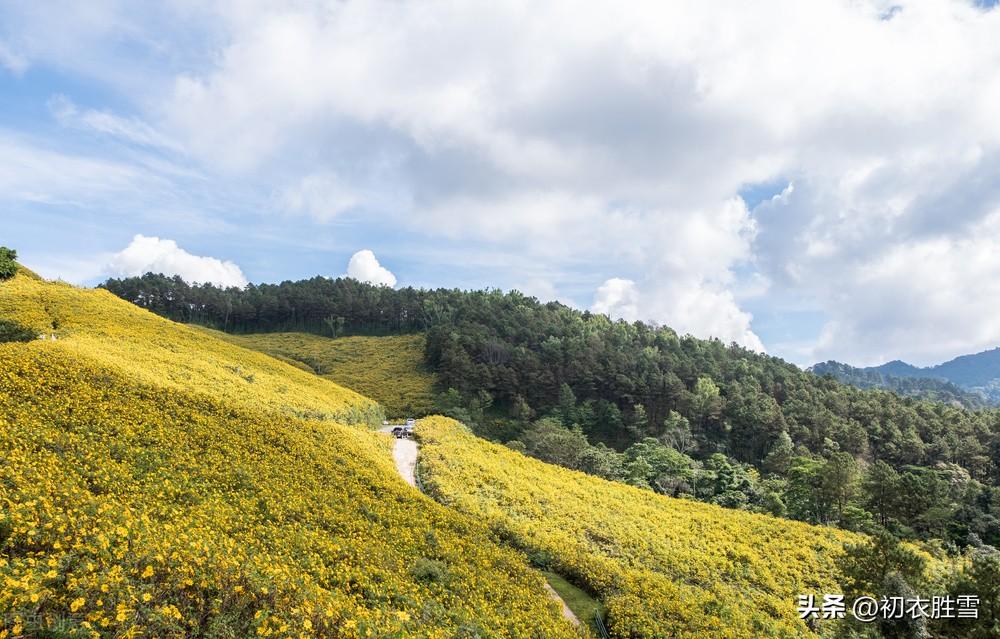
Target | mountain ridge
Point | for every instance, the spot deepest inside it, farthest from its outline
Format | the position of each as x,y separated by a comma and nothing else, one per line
975,373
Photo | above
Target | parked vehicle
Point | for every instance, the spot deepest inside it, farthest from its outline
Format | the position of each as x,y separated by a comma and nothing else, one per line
400,432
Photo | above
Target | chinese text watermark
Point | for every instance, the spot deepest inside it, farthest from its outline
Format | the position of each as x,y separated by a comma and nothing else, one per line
868,609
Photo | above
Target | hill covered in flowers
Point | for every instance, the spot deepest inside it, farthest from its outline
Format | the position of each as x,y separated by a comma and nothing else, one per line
158,482
663,567
389,369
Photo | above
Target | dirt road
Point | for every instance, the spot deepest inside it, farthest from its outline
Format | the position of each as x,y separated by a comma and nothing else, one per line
404,453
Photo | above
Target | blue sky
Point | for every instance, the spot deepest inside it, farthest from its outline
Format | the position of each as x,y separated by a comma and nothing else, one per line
811,179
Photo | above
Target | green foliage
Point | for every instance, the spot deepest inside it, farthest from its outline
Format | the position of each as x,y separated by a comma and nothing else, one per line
8,263
983,580
11,331
867,565
549,440
779,457
429,570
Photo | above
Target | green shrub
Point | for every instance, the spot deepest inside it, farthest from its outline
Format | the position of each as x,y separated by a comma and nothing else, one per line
429,570
14,332
8,263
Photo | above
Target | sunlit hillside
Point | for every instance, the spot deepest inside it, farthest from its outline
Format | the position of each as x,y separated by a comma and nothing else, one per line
97,325
388,369
663,567
146,489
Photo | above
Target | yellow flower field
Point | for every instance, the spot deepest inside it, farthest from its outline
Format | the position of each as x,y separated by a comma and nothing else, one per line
388,369
663,567
97,325
146,490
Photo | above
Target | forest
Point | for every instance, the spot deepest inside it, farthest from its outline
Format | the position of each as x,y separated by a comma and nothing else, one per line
643,405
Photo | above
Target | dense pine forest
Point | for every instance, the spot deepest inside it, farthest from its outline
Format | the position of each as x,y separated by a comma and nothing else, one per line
640,404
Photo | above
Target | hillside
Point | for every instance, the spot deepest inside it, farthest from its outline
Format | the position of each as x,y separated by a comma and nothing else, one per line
640,404
159,482
96,325
663,567
388,369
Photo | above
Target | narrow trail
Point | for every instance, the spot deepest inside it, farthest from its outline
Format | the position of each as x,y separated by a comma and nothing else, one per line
566,612
404,453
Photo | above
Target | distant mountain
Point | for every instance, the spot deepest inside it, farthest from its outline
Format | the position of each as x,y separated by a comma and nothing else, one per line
962,380
929,388
972,371
897,368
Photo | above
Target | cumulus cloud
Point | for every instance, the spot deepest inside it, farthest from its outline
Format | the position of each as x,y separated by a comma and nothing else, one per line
696,308
707,310
152,254
943,295
618,298
364,266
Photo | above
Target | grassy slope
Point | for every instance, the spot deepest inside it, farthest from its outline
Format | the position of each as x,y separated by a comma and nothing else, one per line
149,489
662,566
585,607
388,369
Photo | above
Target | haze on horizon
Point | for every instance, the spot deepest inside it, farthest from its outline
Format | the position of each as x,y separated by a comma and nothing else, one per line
819,180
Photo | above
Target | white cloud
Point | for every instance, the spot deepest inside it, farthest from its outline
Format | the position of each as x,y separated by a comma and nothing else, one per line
129,129
152,254
706,310
943,295
604,140
364,266
618,298
689,308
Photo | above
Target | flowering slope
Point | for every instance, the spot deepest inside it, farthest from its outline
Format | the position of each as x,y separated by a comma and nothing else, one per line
663,567
156,503
103,328
388,369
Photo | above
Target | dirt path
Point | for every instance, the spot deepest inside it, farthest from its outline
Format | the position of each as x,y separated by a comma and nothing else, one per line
404,453
566,612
